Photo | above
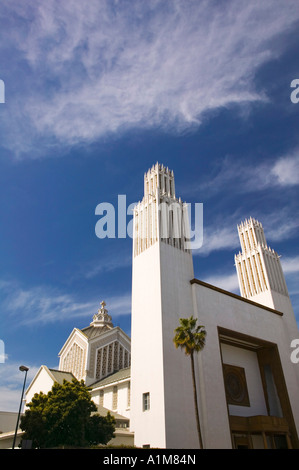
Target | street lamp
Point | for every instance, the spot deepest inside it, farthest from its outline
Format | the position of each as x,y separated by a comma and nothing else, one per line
22,369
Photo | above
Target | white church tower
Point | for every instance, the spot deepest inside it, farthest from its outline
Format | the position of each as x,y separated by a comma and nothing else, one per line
260,275
161,294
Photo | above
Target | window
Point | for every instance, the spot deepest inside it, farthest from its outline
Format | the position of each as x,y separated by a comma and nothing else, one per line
114,398
129,395
146,401
102,397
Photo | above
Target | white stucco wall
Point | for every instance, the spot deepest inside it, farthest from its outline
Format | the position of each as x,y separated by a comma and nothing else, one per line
122,407
176,271
161,295
216,309
8,421
147,367
42,382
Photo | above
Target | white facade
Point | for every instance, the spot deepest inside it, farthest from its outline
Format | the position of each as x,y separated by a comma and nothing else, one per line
97,350
248,339
114,392
44,380
161,291
99,354
247,386
236,328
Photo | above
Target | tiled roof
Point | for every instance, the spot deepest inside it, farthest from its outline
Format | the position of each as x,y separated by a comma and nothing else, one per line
60,376
115,377
93,331
103,412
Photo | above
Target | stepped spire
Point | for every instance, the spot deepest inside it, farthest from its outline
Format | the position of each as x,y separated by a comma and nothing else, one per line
102,318
258,266
160,216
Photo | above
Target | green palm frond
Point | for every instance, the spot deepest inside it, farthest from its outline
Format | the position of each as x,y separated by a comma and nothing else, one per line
190,336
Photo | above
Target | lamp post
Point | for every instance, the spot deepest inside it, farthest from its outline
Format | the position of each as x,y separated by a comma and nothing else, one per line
22,369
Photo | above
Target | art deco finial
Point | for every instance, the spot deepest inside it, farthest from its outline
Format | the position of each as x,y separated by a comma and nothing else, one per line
102,318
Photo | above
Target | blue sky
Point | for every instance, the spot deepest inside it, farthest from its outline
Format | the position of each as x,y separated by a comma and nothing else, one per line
97,92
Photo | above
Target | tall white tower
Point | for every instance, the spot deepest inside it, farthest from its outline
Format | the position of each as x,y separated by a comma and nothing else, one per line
259,270
161,381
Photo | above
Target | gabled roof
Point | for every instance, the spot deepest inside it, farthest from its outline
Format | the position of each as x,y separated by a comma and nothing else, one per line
55,375
101,325
102,411
73,333
94,331
59,376
114,377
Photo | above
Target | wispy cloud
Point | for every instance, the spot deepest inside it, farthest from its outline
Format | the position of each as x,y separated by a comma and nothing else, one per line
12,380
217,238
227,282
104,66
243,178
222,233
290,265
111,263
279,226
286,170
44,304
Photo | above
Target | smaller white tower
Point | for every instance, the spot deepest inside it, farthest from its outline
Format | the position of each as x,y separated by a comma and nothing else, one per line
258,266
259,270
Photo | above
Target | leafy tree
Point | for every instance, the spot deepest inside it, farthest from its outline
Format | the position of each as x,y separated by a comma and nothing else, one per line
100,429
191,338
63,418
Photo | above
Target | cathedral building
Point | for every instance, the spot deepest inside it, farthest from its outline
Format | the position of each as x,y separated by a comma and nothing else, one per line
99,354
247,385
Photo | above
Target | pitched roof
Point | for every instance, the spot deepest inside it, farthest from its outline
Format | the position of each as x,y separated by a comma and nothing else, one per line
114,377
102,411
60,376
93,331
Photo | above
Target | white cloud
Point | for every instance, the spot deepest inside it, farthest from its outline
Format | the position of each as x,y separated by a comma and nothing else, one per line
11,384
227,282
242,178
219,237
43,304
222,233
105,66
286,170
279,226
290,265
111,263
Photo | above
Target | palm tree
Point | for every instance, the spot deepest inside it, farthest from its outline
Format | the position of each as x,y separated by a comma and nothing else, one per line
191,338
